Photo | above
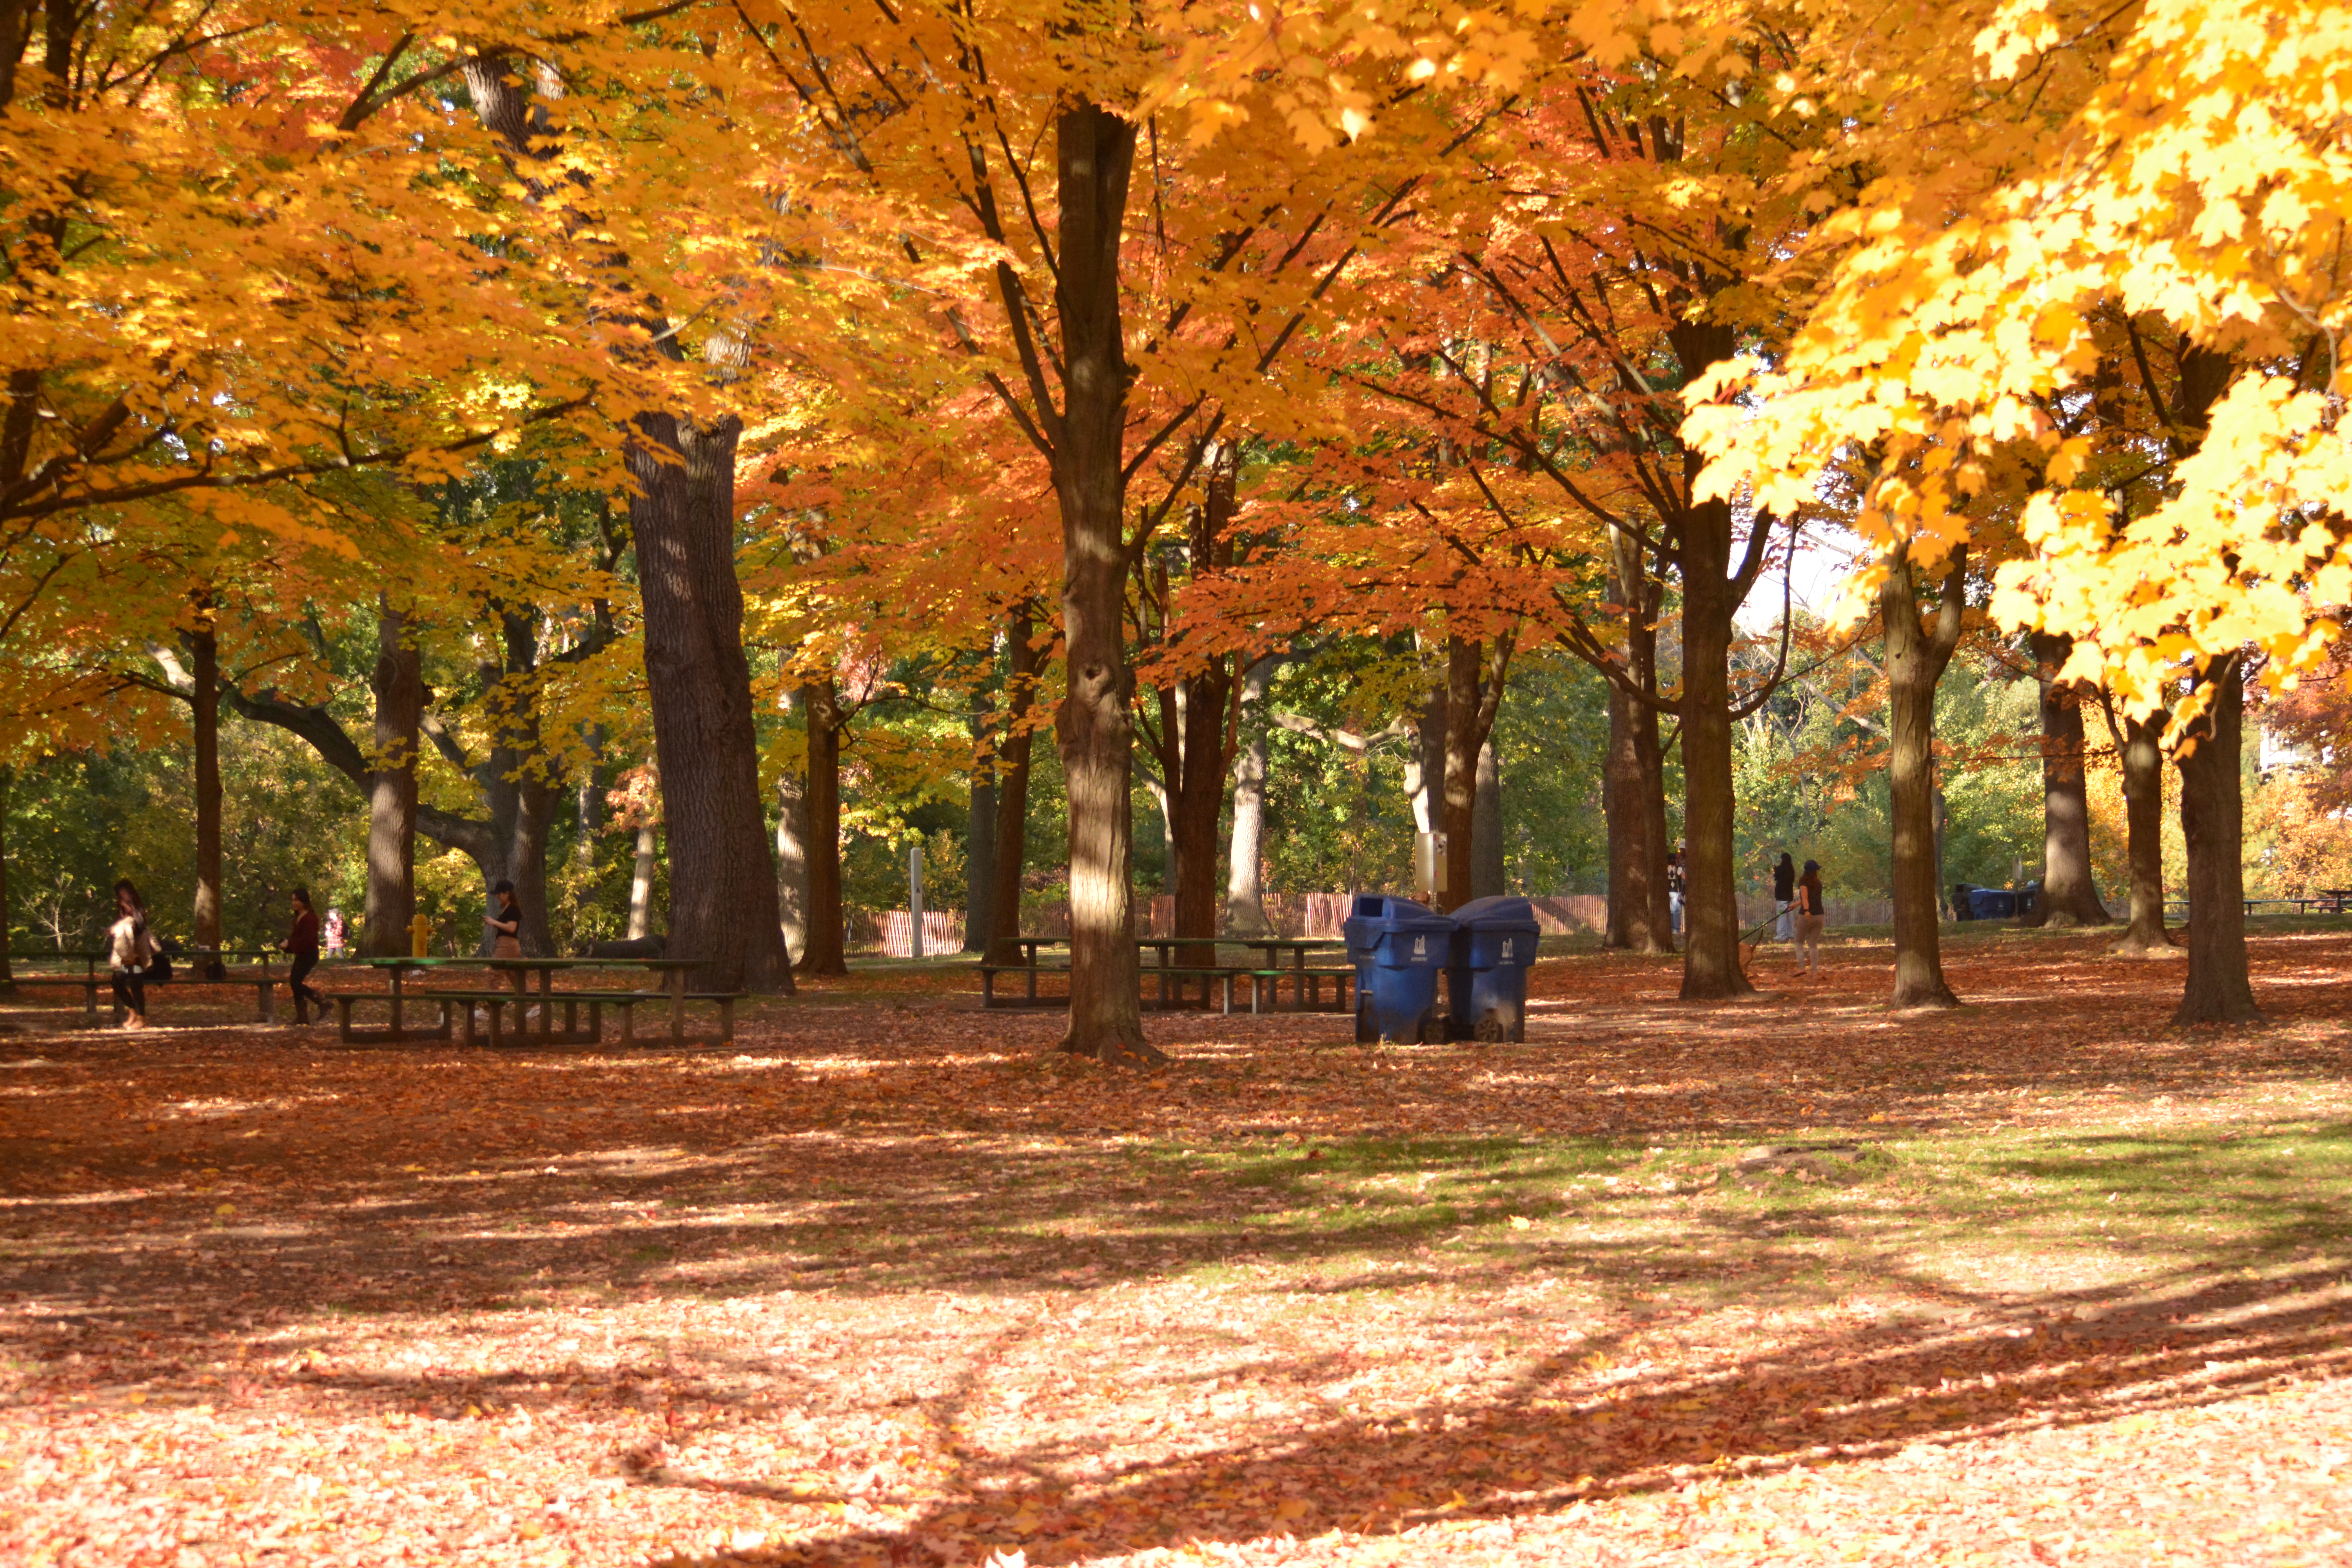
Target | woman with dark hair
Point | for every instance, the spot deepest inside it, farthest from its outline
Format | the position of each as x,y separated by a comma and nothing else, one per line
505,920
131,955
1812,916
1784,898
303,941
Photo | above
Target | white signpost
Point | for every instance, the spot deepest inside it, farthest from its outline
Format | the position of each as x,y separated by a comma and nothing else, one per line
915,898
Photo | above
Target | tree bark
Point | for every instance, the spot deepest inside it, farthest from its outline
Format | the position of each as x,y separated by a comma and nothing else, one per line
1474,673
1633,779
1711,969
792,861
203,660
980,841
1915,658
1094,154
722,884
2070,897
641,882
1012,753
2140,744
398,684
822,954
1245,894
2212,824
1486,871
7,915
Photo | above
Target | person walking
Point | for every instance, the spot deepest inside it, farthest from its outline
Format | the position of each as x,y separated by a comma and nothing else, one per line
1784,897
303,941
1811,917
130,953
1676,882
338,934
505,920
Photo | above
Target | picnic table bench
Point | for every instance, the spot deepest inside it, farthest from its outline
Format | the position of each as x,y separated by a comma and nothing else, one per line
186,969
534,1010
1264,978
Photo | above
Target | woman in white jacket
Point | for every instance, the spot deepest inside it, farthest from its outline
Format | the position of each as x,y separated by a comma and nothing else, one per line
131,954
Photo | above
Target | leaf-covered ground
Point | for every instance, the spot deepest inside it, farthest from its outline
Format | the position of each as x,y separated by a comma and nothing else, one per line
889,1285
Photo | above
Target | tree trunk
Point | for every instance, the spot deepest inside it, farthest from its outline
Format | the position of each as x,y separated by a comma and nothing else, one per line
1245,895
1199,804
1711,969
2212,824
1633,789
1487,873
8,920
822,954
792,861
1473,695
203,660
722,884
1915,658
1012,753
534,819
1094,153
980,842
641,883
2069,895
399,689
2140,743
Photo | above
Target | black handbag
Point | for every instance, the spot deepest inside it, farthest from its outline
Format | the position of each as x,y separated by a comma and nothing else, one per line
159,963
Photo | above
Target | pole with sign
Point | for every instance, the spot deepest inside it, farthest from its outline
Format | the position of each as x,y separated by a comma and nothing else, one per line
915,897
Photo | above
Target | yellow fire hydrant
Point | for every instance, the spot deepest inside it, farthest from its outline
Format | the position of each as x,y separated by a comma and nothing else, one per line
420,937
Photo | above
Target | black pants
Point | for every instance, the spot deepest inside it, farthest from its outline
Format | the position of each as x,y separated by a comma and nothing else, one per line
303,963
131,991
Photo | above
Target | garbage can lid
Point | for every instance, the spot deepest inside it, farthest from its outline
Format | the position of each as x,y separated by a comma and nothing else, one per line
1502,913
1387,913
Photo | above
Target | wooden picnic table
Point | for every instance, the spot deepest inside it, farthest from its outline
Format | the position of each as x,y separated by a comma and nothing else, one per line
671,971
187,969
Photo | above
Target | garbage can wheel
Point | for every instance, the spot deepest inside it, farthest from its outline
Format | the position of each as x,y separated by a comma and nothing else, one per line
1490,1030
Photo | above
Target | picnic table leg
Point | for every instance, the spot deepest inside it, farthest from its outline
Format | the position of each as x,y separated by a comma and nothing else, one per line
727,1020
678,1006
397,1033
1032,977
89,1001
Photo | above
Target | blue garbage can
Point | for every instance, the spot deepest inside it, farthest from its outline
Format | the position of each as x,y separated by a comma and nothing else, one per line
1486,980
1399,948
1991,904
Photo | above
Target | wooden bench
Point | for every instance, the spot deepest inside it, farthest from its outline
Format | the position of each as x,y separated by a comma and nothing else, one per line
345,1000
264,984
626,1004
1029,971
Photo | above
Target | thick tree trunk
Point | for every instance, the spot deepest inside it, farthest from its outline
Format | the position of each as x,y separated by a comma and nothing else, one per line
7,916
2140,744
1711,969
792,861
2212,824
1094,154
980,843
1486,870
822,954
535,808
1915,658
398,683
1474,673
1199,804
1641,918
641,882
203,660
723,883
1012,753
1244,895
2069,895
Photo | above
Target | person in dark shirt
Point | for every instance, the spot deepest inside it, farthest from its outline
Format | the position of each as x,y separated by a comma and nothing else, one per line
1677,881
1784,896
1812,916
303,941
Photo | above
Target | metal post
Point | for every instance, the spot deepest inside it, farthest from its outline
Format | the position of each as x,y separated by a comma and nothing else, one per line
915,897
